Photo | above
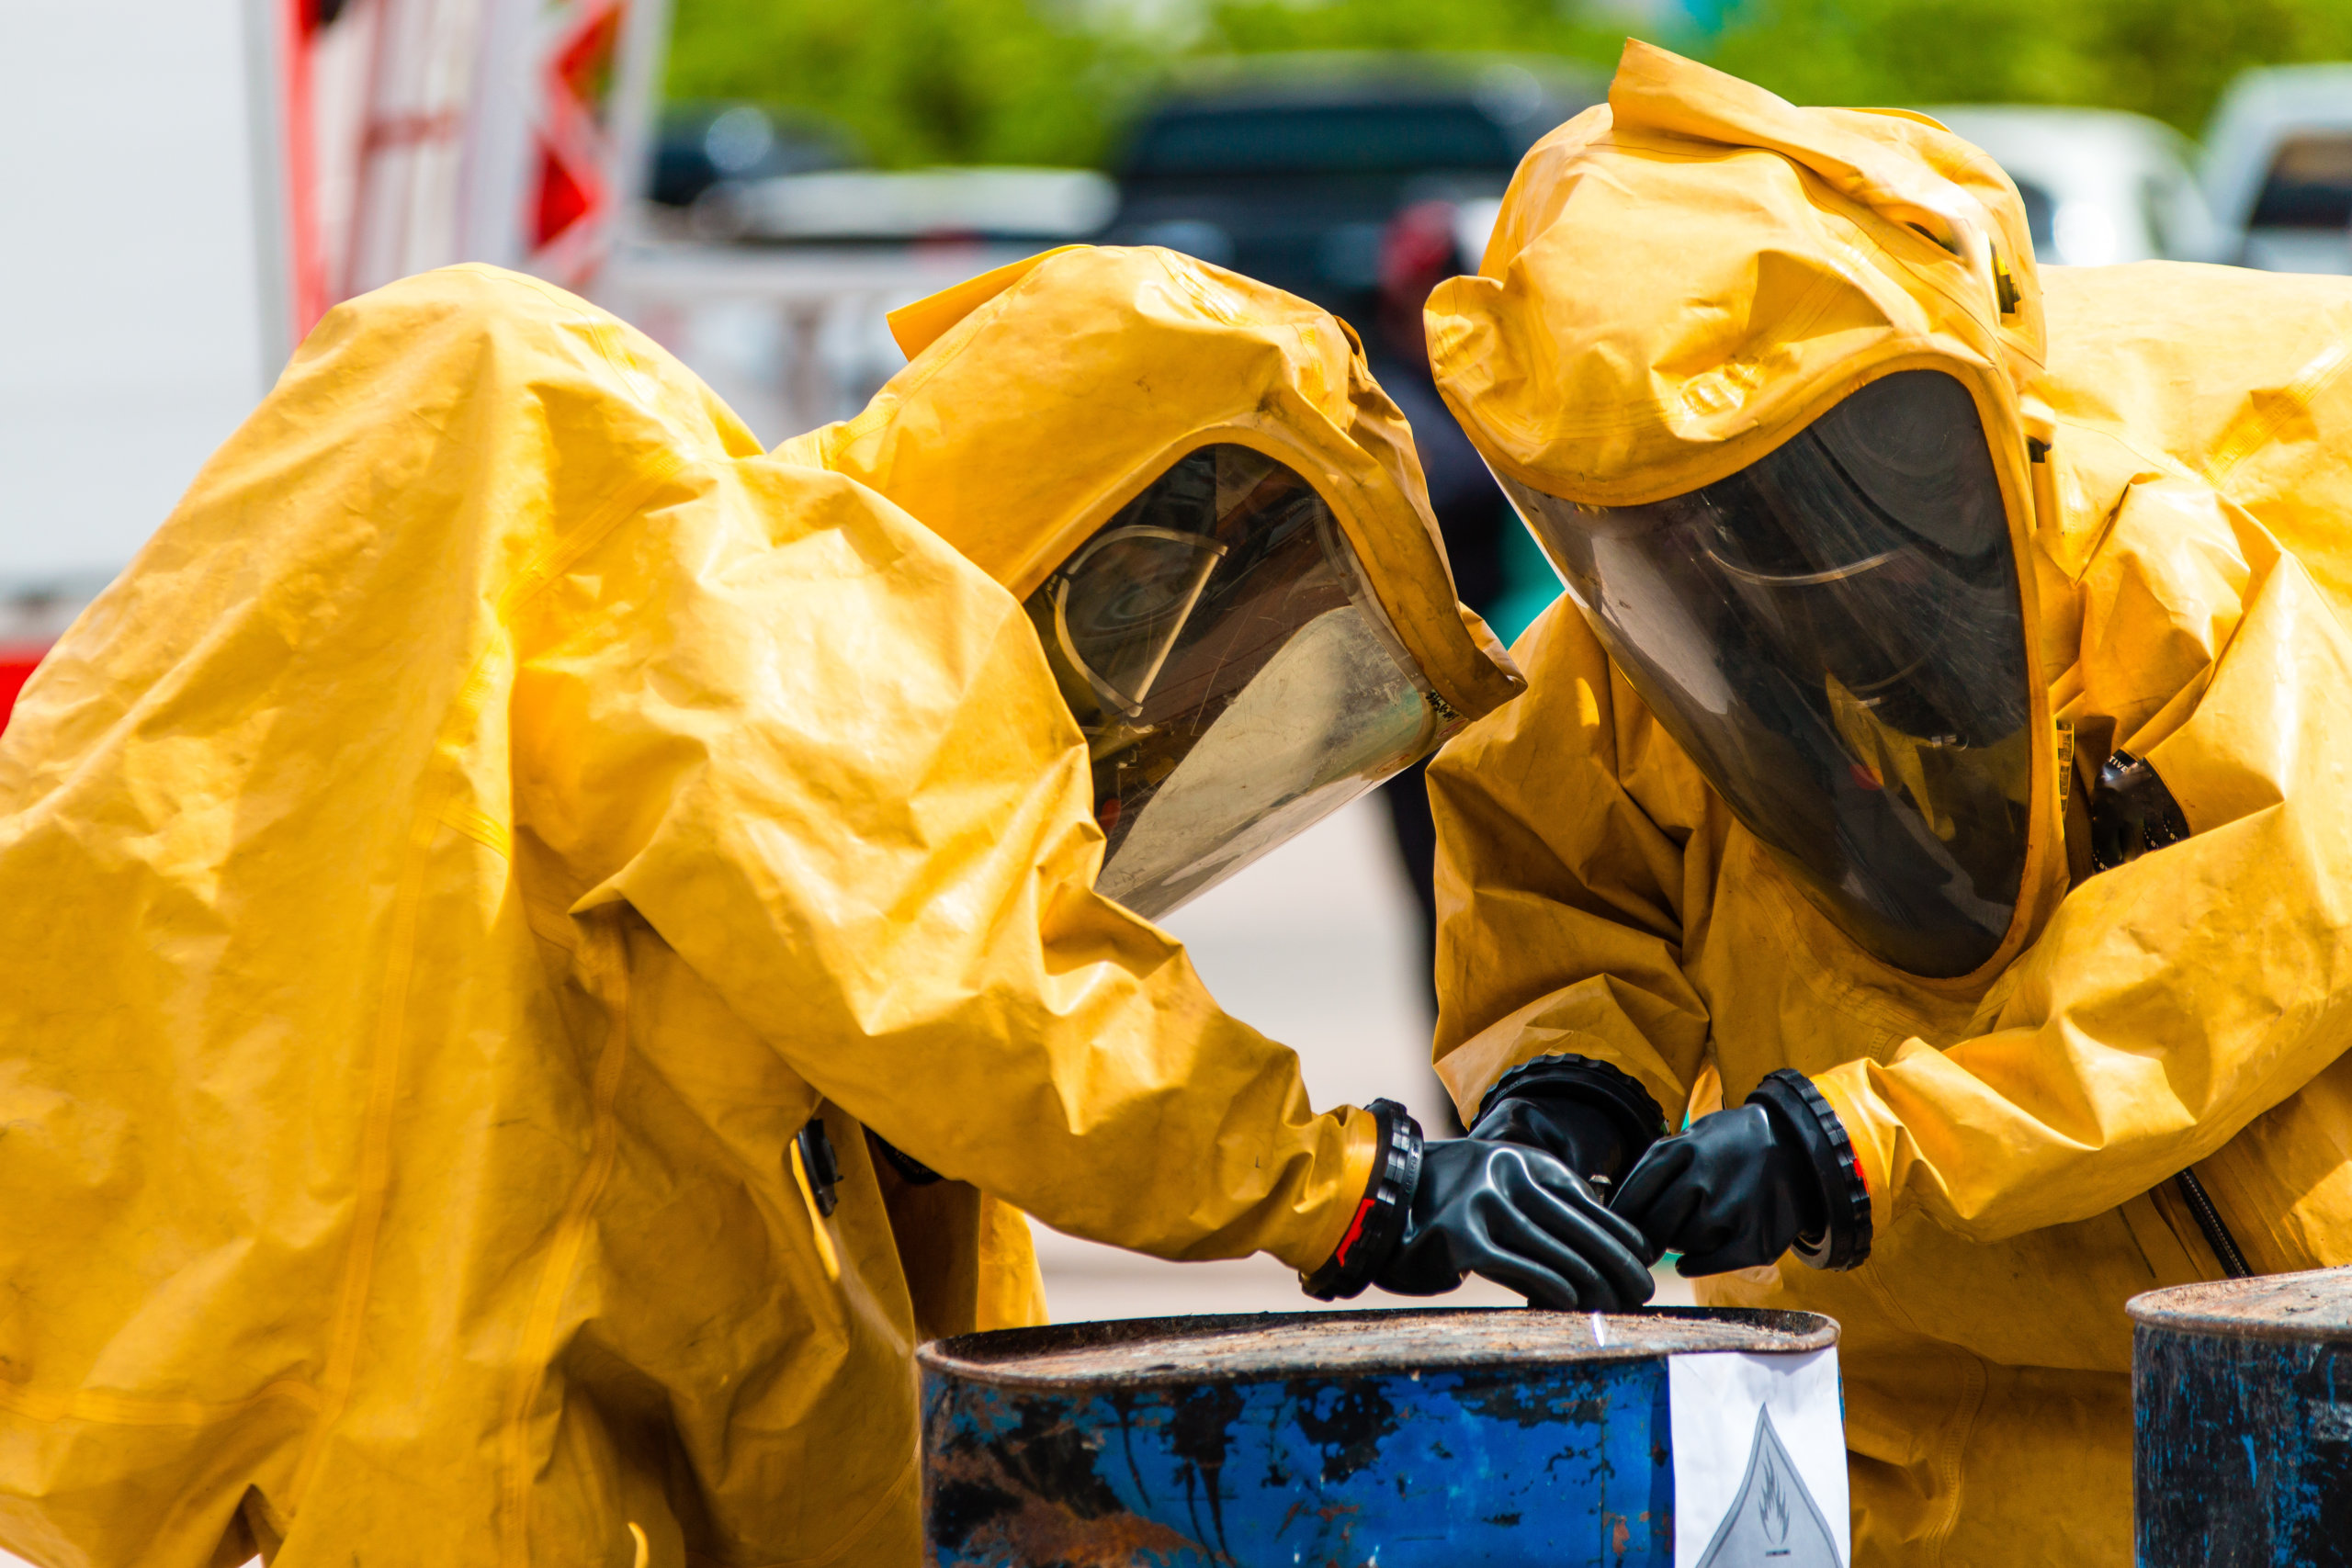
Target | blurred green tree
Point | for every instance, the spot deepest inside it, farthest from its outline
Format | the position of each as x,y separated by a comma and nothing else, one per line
1051,81
2169,59
1047,81
1255,26
918,81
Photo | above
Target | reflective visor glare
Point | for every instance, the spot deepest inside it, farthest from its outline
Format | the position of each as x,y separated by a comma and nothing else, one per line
1233,676
1835,636
1120,602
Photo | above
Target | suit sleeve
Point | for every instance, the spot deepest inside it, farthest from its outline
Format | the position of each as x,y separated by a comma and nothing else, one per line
824,758
1574,854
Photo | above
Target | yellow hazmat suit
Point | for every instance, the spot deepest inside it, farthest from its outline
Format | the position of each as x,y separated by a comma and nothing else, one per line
497,809
1683,279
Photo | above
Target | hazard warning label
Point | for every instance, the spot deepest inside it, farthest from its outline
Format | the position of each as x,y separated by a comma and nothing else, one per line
1760,1461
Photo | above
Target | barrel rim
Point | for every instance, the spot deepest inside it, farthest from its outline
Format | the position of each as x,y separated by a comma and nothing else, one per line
981,1358
2173,1309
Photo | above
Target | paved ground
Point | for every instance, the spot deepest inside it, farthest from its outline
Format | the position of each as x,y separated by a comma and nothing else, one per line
1312,946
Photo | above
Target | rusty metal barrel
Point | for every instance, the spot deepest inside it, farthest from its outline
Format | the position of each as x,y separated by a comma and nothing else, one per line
2242,1418
1396,1439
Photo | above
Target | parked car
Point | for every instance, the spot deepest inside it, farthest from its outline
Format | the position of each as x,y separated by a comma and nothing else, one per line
850,205
2098,185
2279,167
701,145
1289,167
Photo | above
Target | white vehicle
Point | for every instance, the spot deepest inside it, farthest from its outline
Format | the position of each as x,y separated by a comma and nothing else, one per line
2279,167
789,335
2100,185
850,205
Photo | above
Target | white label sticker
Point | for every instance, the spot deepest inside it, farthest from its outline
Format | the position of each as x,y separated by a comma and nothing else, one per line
1760,1461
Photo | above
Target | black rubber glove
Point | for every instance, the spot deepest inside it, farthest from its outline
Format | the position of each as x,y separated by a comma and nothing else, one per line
1520,1218
1743,1186
1730,1193
1594,1118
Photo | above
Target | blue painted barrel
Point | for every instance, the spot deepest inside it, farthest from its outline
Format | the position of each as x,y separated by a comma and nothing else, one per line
1396,1439
2242,1417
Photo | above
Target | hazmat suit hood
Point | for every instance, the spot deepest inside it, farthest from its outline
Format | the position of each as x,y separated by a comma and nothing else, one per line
1680,282
1106,429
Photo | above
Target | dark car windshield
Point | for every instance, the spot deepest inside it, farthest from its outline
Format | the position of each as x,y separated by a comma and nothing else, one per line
1318,139
2041,220
2309,185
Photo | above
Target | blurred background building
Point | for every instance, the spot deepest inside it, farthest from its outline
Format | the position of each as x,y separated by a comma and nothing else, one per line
191,182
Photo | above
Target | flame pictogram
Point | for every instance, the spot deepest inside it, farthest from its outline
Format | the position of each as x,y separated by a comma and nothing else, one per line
1773,1505
1773,1521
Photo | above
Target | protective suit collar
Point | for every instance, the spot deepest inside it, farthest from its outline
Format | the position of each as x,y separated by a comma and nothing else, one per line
1683,280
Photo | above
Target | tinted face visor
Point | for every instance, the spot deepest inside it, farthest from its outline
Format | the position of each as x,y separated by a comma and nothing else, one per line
1234,676
1835,636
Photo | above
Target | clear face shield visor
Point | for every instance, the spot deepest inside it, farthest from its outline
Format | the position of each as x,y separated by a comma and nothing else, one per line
1836,636
1235,677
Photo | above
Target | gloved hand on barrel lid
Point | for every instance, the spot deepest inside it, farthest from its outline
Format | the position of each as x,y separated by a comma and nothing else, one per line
1935,755
1577,1125
555,945
1491,1206
1521,1201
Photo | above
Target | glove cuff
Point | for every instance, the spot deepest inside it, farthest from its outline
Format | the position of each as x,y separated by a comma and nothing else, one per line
1379,1223
1607,1088
1789,1099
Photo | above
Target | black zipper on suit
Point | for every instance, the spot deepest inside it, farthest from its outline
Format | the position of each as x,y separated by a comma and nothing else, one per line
2209,1220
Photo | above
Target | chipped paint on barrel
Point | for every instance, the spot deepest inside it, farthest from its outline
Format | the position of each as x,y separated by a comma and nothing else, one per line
1396,1438
2242,1417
